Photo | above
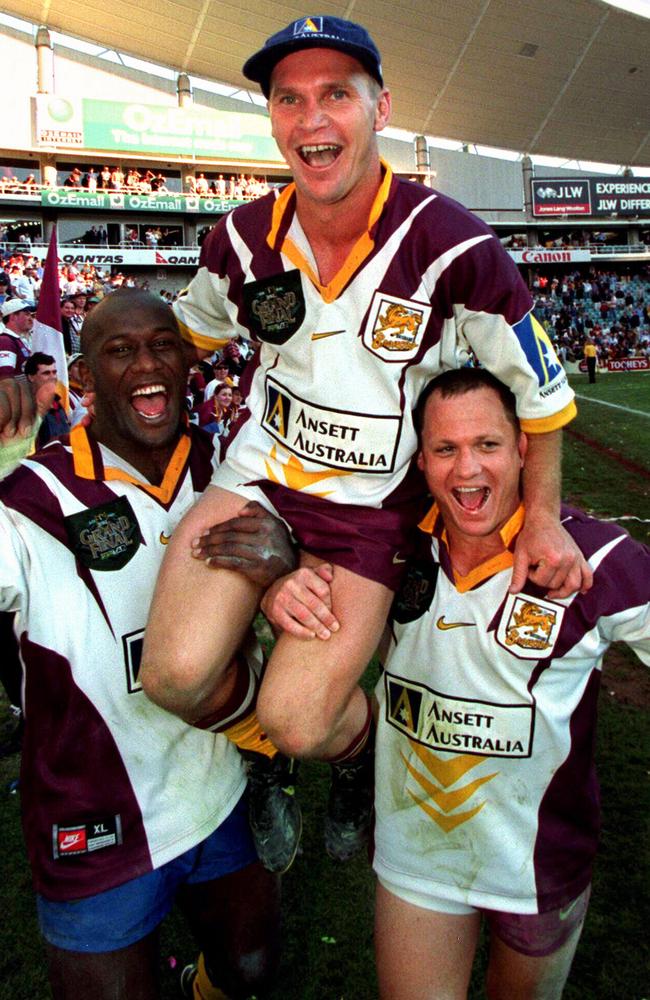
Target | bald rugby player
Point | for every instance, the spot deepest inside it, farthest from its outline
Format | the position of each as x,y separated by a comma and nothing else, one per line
126,807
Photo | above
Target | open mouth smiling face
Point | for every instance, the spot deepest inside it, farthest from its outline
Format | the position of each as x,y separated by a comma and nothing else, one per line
471,498
325,110
322,155
472,457
150,402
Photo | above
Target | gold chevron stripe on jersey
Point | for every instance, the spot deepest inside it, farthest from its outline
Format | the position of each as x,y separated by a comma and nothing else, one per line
446,801
296,477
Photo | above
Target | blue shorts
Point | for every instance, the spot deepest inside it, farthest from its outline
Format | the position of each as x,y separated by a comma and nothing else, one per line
121,916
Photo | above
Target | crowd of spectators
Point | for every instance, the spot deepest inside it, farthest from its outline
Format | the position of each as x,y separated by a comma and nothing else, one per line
214,398
107,178
133,180
610,309
21,274
239,188
13,185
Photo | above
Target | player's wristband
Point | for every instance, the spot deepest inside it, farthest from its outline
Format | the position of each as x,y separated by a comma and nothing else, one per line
14,450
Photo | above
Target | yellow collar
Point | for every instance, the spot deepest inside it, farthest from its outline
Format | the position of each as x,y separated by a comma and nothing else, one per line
88,464
358,254
495,564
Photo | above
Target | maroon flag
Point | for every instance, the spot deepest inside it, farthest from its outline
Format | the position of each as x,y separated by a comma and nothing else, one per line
47,335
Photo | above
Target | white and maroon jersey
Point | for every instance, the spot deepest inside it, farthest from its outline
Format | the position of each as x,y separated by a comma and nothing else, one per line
341,366
13,353
486,790
112,785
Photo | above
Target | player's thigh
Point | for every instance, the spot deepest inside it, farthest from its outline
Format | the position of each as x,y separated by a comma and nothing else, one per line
514,976
422,954
311,679
236,922
199,613
127,974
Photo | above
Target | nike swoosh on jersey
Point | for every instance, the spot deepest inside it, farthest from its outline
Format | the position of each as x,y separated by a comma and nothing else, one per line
443,625
328,333
566,910
397,560
164,539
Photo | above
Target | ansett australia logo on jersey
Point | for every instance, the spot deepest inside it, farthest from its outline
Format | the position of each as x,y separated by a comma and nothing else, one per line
529,627
395,327
448,722
354,442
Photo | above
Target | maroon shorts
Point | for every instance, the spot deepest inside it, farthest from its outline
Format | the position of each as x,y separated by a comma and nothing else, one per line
373,542
539,934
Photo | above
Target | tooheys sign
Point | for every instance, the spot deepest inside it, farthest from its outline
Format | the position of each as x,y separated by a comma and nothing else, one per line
596,196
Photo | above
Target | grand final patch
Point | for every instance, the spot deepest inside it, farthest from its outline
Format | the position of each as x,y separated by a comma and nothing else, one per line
530,626
106,537
413,599
395,327
275,306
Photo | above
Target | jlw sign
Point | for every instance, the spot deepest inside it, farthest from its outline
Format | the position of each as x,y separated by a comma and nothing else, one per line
560,197
597,196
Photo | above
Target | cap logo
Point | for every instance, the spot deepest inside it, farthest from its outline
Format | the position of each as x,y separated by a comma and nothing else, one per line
308,25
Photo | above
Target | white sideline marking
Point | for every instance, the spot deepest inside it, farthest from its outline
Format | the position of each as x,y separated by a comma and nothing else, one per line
615,406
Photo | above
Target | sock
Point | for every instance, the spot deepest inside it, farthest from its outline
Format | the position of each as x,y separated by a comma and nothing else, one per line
236,718
363,741
203,987
248,735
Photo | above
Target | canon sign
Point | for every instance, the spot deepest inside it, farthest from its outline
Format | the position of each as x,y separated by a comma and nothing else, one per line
545,256
538,255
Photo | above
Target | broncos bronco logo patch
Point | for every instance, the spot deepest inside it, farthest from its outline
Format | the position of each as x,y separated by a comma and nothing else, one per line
395,327
529,627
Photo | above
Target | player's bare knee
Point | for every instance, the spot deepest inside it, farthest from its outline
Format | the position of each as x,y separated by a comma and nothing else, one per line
298,727
297,736
177,690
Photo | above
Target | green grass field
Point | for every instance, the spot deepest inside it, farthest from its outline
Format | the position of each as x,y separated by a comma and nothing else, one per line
328,908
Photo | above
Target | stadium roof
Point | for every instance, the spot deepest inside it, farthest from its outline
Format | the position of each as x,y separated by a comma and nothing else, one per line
567,78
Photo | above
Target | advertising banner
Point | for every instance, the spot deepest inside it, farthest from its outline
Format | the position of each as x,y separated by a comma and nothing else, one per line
153,128
115,201
629,365
594,196
107,257
539,255
620,365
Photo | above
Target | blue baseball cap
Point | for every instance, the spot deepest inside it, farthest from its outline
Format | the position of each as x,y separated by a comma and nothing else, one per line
318,32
